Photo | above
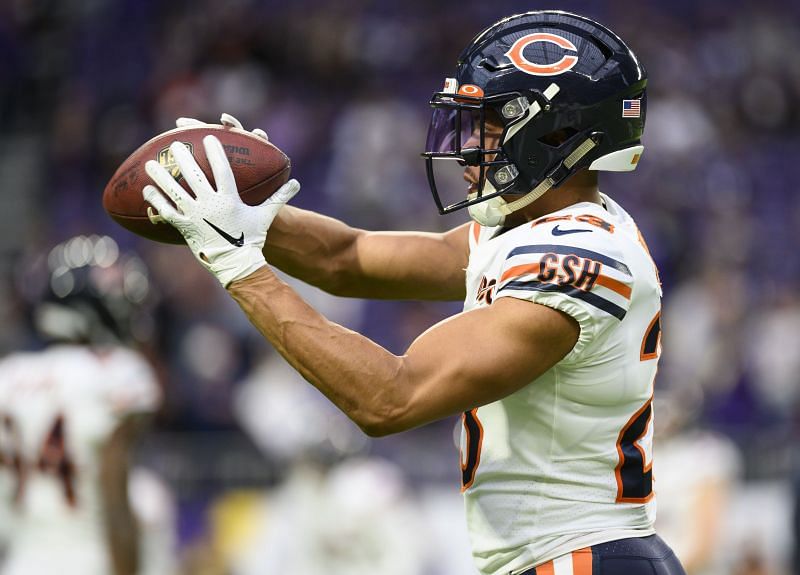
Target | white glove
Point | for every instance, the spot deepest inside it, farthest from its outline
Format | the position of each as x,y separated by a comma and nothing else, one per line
225,120
225,234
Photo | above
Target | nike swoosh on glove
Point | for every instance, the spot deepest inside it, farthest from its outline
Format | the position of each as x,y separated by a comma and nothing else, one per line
225,234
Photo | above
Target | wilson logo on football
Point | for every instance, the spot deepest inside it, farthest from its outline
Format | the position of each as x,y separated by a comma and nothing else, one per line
166,159
567,61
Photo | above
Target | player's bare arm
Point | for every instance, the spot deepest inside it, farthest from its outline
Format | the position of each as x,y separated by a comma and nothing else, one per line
347,261
441,374
469,360
351,262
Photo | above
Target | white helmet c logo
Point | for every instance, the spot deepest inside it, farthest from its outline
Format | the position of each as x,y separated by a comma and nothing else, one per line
567,62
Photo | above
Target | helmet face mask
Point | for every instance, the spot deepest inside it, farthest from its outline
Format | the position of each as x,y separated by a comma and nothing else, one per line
457,120
585,110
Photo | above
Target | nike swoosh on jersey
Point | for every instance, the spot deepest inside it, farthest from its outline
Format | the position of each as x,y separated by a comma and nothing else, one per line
556,231
238,242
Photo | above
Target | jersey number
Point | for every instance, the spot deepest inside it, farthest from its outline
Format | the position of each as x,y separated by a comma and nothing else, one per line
634,472
471,450
53,458
651,343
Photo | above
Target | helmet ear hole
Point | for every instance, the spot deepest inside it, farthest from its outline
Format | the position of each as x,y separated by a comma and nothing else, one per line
555,138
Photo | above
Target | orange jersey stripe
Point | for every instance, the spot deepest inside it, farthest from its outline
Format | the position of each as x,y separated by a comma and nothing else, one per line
615,285
476,231
546,569
582,561
520,270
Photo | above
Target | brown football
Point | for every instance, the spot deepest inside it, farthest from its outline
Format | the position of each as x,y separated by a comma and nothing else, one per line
259,168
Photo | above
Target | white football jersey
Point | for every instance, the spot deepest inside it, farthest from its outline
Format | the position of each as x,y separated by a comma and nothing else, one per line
565,462
58,408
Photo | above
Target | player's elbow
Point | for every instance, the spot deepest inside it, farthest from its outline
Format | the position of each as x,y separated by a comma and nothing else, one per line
393,414
386,414
380,422
380,427
374,429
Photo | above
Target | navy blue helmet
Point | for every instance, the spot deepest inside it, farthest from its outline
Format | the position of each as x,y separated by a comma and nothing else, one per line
567,92
86,291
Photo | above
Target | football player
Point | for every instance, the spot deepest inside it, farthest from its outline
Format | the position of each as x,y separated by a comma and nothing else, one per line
70,414
553,359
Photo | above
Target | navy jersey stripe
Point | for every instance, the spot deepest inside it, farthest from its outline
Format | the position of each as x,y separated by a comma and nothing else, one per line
592,299
566,250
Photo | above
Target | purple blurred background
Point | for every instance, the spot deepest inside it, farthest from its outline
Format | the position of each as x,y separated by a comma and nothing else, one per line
342,88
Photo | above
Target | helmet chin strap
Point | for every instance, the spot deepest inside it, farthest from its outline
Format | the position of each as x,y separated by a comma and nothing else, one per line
493,211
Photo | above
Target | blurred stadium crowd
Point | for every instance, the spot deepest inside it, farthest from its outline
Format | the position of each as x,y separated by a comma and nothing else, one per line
342,88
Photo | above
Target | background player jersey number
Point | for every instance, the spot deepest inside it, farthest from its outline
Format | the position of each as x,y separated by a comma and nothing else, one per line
52,459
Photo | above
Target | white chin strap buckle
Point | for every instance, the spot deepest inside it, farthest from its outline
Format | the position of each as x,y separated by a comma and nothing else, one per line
489,213
493,211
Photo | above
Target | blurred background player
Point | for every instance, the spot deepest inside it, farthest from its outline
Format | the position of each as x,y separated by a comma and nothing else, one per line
694,509
355,511
70,416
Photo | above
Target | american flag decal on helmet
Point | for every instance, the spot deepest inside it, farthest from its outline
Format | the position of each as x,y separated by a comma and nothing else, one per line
631,109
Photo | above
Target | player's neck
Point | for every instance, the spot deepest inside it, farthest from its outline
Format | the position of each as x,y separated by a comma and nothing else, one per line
582,187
